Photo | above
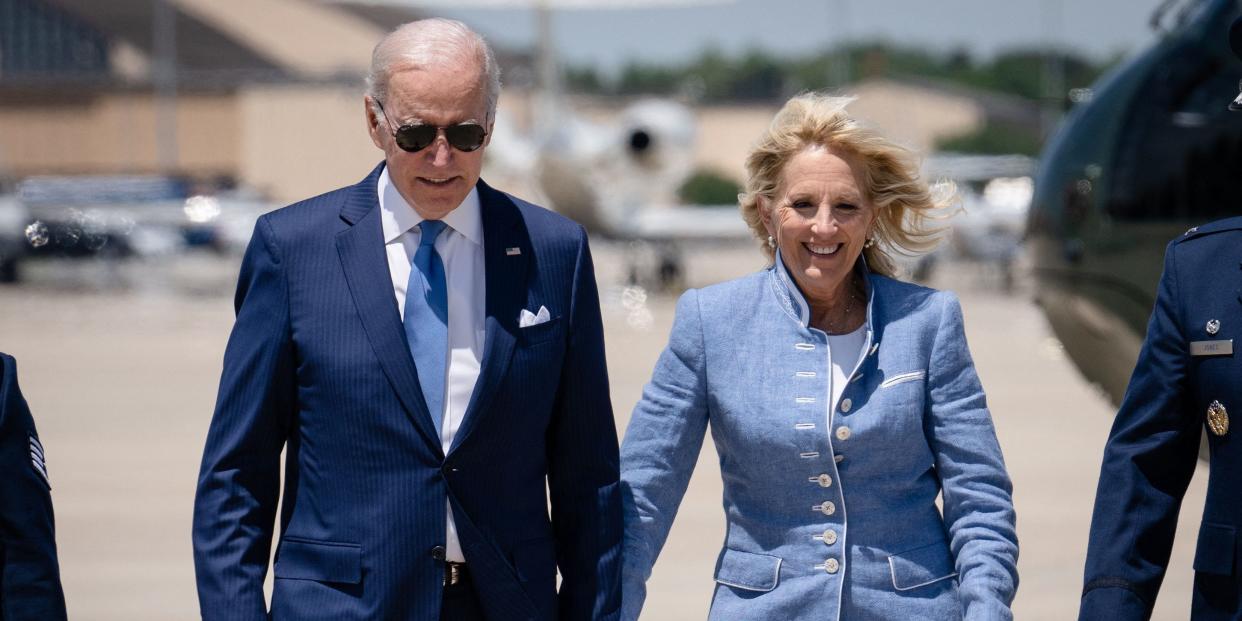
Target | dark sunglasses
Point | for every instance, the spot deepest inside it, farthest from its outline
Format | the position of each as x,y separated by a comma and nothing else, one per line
413,138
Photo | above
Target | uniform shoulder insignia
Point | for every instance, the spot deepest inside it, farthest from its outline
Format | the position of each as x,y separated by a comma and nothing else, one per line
1218,226
38,460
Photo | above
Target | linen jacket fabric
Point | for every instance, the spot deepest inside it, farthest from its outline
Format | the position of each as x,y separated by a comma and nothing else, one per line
742,358
1154,443
318,364
29,571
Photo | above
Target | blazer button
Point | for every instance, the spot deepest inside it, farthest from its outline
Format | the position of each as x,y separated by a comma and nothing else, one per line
824,480
832,566
830,537
843,433
827,508
438,553
846,404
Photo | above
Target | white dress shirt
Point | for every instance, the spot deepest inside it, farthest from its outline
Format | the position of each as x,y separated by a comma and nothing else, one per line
460,246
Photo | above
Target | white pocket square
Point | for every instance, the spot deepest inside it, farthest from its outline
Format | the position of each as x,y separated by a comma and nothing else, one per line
527,319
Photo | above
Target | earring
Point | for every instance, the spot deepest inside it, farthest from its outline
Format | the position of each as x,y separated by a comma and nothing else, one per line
869,243
771,242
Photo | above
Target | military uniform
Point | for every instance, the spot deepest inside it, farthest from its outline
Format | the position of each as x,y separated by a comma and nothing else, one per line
29,572
1187,380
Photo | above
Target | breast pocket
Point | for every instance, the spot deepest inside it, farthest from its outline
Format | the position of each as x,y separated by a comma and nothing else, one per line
541,333
903,378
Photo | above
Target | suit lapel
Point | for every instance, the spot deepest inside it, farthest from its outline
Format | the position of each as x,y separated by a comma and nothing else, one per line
506,282
361,248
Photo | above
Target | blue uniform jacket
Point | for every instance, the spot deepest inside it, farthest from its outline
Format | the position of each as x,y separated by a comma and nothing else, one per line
1152,449
825,520
29,571
318,365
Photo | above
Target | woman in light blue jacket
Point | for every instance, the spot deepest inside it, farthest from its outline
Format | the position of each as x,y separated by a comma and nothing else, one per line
842,402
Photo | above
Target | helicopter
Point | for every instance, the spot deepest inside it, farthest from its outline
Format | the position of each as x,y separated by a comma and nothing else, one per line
1152,150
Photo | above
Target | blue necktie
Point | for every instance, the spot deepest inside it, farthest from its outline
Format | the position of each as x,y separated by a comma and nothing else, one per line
426,319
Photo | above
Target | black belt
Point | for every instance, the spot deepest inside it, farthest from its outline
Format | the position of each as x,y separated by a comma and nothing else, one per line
454,573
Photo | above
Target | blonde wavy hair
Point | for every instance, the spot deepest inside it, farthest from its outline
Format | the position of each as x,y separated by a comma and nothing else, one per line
906,208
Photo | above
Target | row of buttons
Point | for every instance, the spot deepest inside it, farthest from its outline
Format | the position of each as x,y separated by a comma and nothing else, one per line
827,507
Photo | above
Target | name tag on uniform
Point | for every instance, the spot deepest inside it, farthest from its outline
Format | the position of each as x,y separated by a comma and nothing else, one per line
1211,348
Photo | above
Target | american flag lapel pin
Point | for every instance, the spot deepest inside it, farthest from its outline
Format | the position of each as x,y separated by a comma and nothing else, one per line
513,252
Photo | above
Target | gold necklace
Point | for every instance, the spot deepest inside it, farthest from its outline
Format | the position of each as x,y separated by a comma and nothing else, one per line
849,308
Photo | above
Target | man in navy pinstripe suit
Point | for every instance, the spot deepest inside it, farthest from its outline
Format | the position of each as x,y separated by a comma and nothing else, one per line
428,353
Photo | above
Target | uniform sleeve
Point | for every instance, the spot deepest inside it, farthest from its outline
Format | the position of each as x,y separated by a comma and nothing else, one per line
1148,462
238,486
29,571
660,449
977,493
583,463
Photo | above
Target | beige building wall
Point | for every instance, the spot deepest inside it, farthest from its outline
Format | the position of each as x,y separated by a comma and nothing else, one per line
299,141
116,133
291,142
913,115
726,135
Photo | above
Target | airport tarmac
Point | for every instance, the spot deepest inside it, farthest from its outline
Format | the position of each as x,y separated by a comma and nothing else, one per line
119,364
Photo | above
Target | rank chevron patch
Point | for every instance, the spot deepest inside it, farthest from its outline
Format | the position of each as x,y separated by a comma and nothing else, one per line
38,460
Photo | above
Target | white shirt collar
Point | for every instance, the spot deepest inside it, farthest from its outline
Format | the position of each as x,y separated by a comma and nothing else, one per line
397,216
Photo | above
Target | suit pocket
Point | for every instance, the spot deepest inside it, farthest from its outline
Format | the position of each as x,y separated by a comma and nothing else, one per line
902,378
1214,550
748,570
921,566
323,561
539,333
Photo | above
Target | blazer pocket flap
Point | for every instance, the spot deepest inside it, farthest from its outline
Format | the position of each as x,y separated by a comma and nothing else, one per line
1214,550
921,566
748,570
323,561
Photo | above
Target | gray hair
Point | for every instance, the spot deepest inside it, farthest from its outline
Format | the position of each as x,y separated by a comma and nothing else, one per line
430,42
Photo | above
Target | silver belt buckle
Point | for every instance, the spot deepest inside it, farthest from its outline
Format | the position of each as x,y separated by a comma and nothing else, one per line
452,575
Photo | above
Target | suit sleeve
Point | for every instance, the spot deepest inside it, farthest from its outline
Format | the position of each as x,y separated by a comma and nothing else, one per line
583,462
1148,462
29,572
977,493
661,447
238,485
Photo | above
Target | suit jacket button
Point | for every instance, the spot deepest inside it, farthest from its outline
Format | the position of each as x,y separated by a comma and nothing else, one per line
438,553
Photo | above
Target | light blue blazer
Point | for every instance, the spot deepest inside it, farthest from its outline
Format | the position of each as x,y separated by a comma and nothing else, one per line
826,520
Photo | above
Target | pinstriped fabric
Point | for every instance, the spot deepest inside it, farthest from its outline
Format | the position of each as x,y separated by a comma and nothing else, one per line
318,359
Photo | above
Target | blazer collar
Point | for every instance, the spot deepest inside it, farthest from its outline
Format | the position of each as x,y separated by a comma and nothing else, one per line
361,198
790,297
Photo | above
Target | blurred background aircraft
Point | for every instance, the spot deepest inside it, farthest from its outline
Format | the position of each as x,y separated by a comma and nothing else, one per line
647,153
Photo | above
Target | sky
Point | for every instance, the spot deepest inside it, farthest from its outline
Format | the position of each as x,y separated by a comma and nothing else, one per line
608,38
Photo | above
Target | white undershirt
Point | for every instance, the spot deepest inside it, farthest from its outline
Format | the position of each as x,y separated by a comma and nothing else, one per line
460,246
845,350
